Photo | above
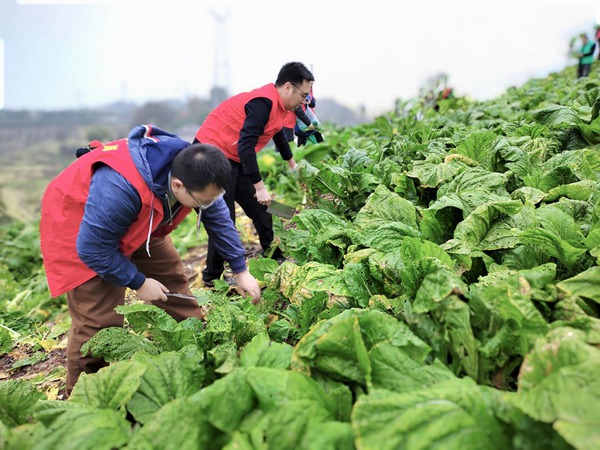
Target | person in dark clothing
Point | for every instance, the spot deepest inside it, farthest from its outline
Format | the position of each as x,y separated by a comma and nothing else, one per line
445,94
306,122
302,117
586,56
241,126
105,227
598,39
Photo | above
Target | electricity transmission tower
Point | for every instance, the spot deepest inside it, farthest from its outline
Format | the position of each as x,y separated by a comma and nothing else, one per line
221,78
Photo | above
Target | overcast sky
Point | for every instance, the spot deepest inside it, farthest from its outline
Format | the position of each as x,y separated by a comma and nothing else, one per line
57,55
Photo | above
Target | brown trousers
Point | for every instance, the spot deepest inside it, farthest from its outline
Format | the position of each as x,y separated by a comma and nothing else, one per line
92,304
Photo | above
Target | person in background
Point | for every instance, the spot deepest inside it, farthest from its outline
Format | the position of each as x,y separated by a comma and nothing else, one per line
586,56
598,39
445,94
241,126
307,122
300,116
105,225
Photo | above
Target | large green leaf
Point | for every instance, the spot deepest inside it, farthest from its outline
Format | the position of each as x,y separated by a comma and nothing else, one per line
416,259
475,179
385,268
592,241
305,425
227,401
559,383
111,387
301,424
582,190
591,131
478,146
318,236
262,268
466,201
455,316
86,429
117,344
6,342
432,174
339,347
527,165
555,177
276,388
506,320
168,376
230,323
393,369
387,236
359,282
454,414
588,165
557,235
334,348
436,282
272,405
17,401
22,437
585,284
478,224
356,160
301,282
438,225
383,207
261,352
557,115
163,328
180,424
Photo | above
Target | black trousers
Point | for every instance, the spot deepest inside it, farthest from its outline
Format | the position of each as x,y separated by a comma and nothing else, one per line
242,191
583,70
302,138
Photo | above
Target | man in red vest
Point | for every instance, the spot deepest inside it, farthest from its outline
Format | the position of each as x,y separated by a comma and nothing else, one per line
105,227
241,126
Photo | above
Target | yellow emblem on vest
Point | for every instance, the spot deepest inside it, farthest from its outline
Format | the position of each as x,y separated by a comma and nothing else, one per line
108,148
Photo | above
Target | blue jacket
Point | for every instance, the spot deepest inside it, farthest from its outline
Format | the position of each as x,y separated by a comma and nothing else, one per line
115,205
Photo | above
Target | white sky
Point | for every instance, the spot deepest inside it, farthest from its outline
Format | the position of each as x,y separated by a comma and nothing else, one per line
59,55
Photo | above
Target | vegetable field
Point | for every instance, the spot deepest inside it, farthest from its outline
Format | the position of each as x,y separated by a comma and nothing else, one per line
441,291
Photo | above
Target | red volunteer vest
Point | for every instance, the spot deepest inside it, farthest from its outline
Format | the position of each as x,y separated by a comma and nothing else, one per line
223,125
62,212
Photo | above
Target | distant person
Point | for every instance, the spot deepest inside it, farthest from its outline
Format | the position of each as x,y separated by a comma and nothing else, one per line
302,117
307,122
105,227
598,39
586,56
241,126
446,94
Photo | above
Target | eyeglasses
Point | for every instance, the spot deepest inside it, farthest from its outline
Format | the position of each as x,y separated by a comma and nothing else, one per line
304,94
203,206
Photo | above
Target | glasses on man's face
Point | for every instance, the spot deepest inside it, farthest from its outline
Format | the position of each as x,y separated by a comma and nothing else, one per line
304,94
203,206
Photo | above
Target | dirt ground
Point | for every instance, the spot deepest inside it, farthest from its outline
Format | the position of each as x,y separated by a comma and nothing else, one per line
49,372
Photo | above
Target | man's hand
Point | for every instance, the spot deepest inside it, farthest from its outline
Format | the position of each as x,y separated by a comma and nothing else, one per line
292,164
262,195
247,285
152,290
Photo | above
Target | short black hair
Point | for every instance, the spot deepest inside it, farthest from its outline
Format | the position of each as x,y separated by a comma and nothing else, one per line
201,165
294,72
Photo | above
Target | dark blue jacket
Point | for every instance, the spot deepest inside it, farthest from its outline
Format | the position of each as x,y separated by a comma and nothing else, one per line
113,205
